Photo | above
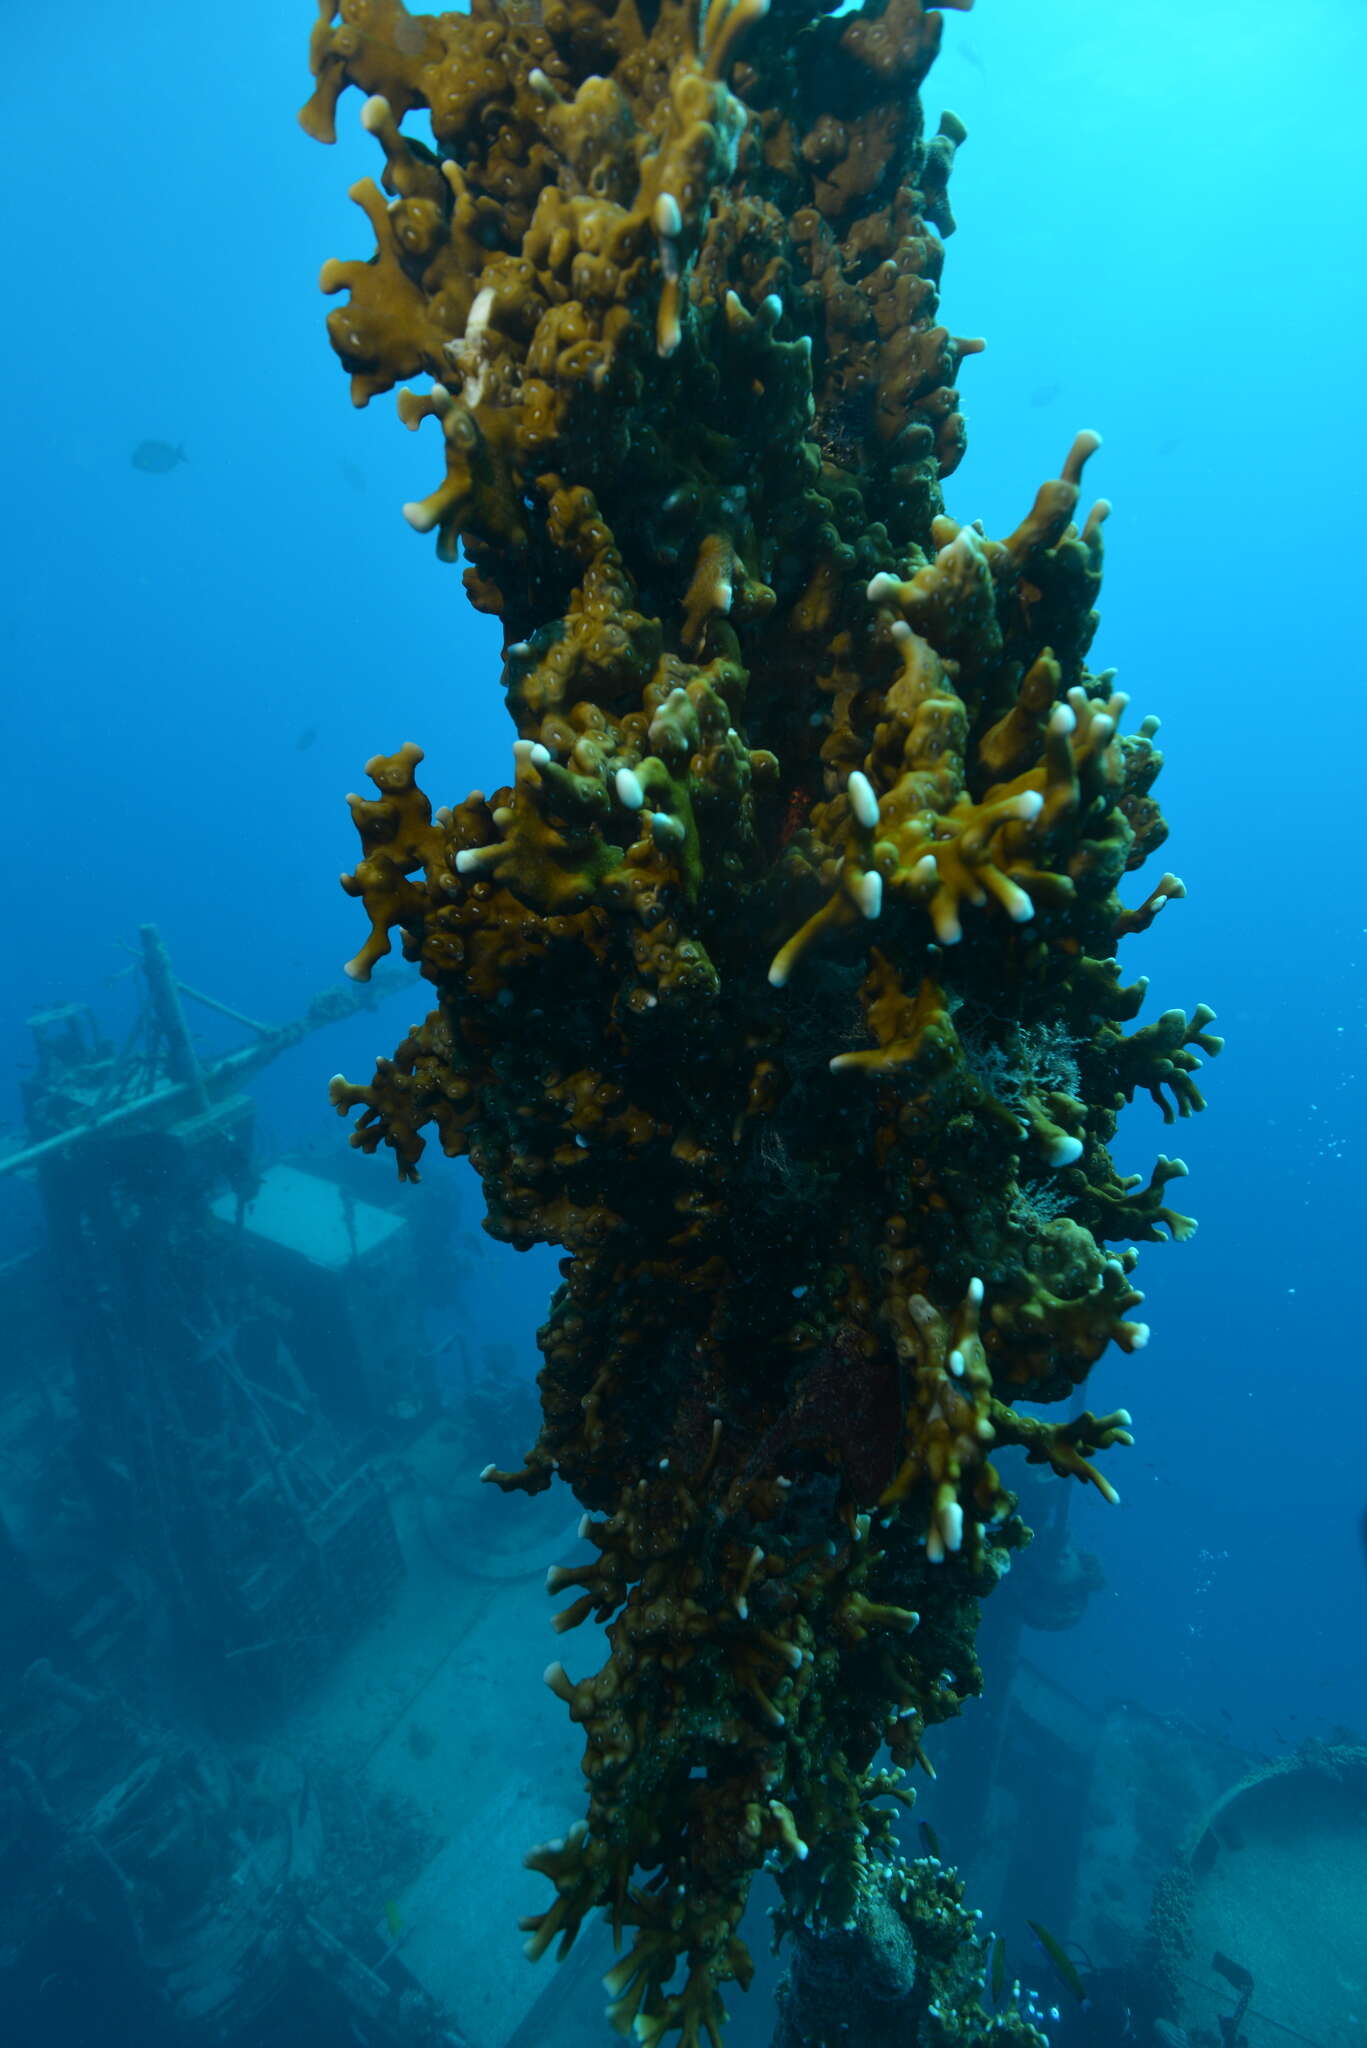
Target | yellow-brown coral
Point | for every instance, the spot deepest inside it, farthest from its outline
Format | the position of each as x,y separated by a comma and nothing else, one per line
778,986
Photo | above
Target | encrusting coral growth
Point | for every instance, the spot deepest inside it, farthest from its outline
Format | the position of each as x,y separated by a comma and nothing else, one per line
779,986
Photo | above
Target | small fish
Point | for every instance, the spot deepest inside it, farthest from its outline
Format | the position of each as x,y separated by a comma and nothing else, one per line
306,738
1045,394
930,1841
154,458
998,1970
1061,1960
393,1919
1226,1714
353,473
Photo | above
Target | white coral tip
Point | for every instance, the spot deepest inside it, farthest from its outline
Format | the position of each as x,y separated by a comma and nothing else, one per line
666,217
479,314
868,893
629,791
863,800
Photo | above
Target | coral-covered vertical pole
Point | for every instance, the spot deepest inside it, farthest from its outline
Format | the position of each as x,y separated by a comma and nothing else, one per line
779,985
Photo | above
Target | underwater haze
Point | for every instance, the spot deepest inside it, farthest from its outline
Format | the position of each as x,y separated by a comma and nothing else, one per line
216,614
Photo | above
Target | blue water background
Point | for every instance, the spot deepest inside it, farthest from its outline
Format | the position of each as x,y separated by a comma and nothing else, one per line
1161,223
